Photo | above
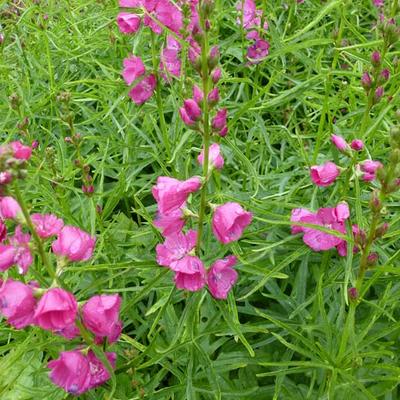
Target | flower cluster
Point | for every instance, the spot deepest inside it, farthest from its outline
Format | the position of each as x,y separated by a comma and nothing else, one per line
179,19
180,251
252,20
53,309
13,157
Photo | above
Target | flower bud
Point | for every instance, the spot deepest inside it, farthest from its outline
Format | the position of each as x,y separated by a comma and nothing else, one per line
375,203
198,94
395,136
357,145
216,75
213,97
339,143
376,58
381,230
366,81
213,57
192,109
378,93
385,75
353,293
372,259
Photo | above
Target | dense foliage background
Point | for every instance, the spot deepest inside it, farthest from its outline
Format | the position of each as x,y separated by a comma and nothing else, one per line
278,335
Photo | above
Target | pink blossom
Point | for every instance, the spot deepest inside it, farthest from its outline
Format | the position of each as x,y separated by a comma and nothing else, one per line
325,174
170,62
258,51
3,231
175,253
342,246
369,168
378,3
251,16
171,193
357,145
98,372
74,244
100,314
56,310
193,281
170,223
17,303
7,256
133,69
160,13
23,257
47,225
297,215
71,371
131,3
214,156
9,208
143,90
128,23
21,152
229,221
5,178
339,143
331,218
221,277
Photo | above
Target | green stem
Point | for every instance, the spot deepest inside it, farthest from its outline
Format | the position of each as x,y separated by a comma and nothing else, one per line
206,130
36,237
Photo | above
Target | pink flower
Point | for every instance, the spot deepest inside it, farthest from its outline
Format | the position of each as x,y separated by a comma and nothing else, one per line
3,231
339,143
71,371
250,16
21,152
56,310
171,193
331,218
23,257
128,23
143,90
357,145
100,314
98,372
258,51
215,158
133,69
170,223
74,244
7,256
17,303
47,225
229,222
324,175
369,168
219,121
174,253
342,247
9,208
131,3
378,3
297,215
221,277
165,13
191,282
70,332
170,62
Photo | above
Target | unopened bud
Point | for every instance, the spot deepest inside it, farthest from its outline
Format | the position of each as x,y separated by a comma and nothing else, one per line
375,203
381,230
378,93
372,258
213,58
376,58
353,293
